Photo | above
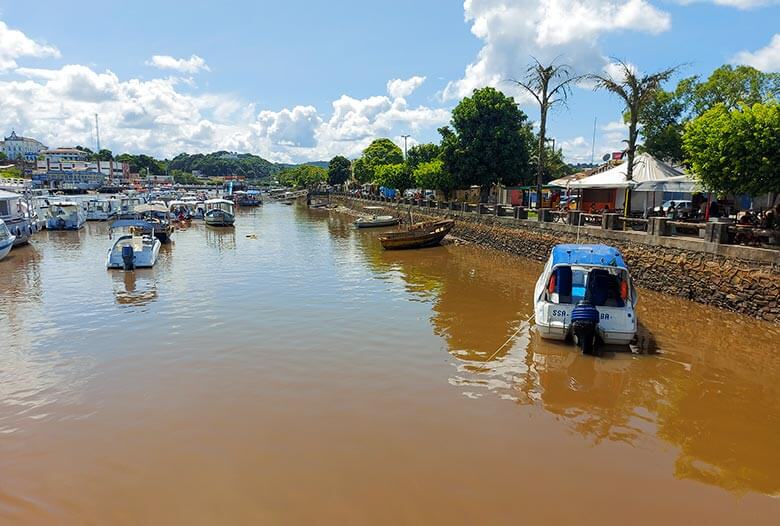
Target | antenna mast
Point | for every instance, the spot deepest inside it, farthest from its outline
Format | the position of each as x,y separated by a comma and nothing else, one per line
97,133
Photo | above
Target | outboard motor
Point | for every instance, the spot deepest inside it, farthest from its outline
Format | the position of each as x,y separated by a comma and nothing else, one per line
128,257
584,319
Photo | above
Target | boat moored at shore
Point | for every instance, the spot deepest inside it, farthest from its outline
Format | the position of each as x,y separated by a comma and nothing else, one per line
376,221
585,293
138,249
101,209
18,217
6,240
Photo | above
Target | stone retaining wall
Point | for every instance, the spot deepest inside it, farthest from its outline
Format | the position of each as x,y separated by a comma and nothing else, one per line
739,279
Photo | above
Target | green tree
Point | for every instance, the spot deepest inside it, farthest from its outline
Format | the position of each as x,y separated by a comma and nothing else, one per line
303,176
380,152
338,170
103,155
431,175
730,86
554,166
549,85
361,171
490,141
3,156
394,176
636,91
736,151
662,123
421,153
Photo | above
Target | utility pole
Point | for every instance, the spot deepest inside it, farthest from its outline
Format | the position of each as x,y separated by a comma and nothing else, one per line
97,133
405,138
593,143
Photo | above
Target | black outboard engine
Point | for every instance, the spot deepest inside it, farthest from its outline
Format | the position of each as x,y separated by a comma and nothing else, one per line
584,319
128,257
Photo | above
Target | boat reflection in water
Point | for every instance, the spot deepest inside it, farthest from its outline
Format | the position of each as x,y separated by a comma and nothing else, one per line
220,238
698,394
136,289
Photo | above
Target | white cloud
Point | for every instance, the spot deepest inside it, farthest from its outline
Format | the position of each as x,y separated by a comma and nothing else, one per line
403,88
765,59
182,65
294,127
15,44
512,32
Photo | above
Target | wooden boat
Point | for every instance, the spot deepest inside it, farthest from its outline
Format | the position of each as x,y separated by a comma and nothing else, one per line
376,221
419,235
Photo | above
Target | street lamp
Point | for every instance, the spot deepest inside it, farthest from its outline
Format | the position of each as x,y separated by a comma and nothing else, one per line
405,138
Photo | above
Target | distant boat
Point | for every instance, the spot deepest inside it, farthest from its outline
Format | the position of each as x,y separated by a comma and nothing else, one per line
376,221
219,212
65,215
6,240
586,293
419,235
101,209
20,220
138,249
156,215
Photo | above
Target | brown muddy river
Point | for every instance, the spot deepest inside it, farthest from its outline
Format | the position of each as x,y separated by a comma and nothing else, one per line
304,376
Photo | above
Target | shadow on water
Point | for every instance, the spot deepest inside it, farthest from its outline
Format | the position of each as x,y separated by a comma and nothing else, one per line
701,379
135,288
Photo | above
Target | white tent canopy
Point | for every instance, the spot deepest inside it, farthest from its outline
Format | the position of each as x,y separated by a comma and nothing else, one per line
647,169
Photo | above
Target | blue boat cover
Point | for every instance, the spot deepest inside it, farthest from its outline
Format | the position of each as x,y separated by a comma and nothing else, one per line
587,255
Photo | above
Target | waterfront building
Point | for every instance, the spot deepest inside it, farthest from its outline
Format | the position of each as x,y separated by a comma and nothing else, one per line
16,147
58,155
80,175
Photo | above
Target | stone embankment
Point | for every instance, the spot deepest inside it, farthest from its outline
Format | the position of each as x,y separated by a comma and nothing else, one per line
735,278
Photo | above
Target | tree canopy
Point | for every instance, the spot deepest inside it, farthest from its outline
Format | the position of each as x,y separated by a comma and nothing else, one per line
736,150
431,175
421,153
303,176
339,170
395,176
489,141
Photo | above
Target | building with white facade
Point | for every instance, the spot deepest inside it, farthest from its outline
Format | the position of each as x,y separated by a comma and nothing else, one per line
80,175
16,147
58,155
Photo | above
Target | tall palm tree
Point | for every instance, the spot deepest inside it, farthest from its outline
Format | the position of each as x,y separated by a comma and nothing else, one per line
549,84
636,91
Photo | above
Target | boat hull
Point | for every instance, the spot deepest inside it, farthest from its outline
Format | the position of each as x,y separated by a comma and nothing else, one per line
145,258
376,223
219,218
22,230
72,222
6,246
419,236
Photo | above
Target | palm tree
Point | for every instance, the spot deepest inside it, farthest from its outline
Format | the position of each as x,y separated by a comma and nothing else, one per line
636,91
549,85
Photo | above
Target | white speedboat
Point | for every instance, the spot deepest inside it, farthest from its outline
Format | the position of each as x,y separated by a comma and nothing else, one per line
138,249
65,215
376,221
586,294
219,212
6,240
18,217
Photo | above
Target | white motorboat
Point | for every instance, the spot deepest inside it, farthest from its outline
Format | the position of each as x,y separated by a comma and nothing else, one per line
586,293
101,209
18,218
376,221
138,249
65,215
6,240
219,212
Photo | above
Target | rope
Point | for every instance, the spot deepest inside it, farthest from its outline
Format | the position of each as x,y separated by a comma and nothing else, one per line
490,359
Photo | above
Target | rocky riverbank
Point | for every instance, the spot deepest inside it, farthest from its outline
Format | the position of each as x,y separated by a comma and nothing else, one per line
733,283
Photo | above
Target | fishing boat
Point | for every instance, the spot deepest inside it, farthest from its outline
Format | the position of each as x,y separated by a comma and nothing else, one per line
65,215
137,249
101,209
419,235
6,240
585,293
20,221
376,221
219,212
156,215
248,198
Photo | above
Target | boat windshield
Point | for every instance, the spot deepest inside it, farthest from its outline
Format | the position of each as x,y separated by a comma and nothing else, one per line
4,233
602,286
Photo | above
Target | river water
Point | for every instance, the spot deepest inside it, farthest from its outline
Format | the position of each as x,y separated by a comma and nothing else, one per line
290,371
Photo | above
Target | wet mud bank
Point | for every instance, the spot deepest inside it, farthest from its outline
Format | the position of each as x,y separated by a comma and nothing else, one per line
735,279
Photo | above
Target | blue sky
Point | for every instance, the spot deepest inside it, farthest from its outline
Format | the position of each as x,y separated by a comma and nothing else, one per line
297,80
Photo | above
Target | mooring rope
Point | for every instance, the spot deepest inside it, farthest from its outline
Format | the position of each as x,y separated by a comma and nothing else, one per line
523,325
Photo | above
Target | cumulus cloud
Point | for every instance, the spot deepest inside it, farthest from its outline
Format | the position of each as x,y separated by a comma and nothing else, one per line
15,44
403,88
182,65
765,59
294,127
547,29
739,4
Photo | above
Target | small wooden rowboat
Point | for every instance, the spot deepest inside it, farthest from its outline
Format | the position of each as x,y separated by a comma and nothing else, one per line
419,235
376,221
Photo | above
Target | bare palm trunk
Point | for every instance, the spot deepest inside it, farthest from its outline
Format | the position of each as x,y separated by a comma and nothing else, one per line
540,163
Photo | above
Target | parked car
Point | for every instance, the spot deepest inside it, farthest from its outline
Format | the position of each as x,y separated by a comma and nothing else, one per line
681,207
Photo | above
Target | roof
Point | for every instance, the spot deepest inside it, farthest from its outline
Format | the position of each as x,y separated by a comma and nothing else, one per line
127,223
153,207
599,255
8,195
215,201
681,183
646,168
